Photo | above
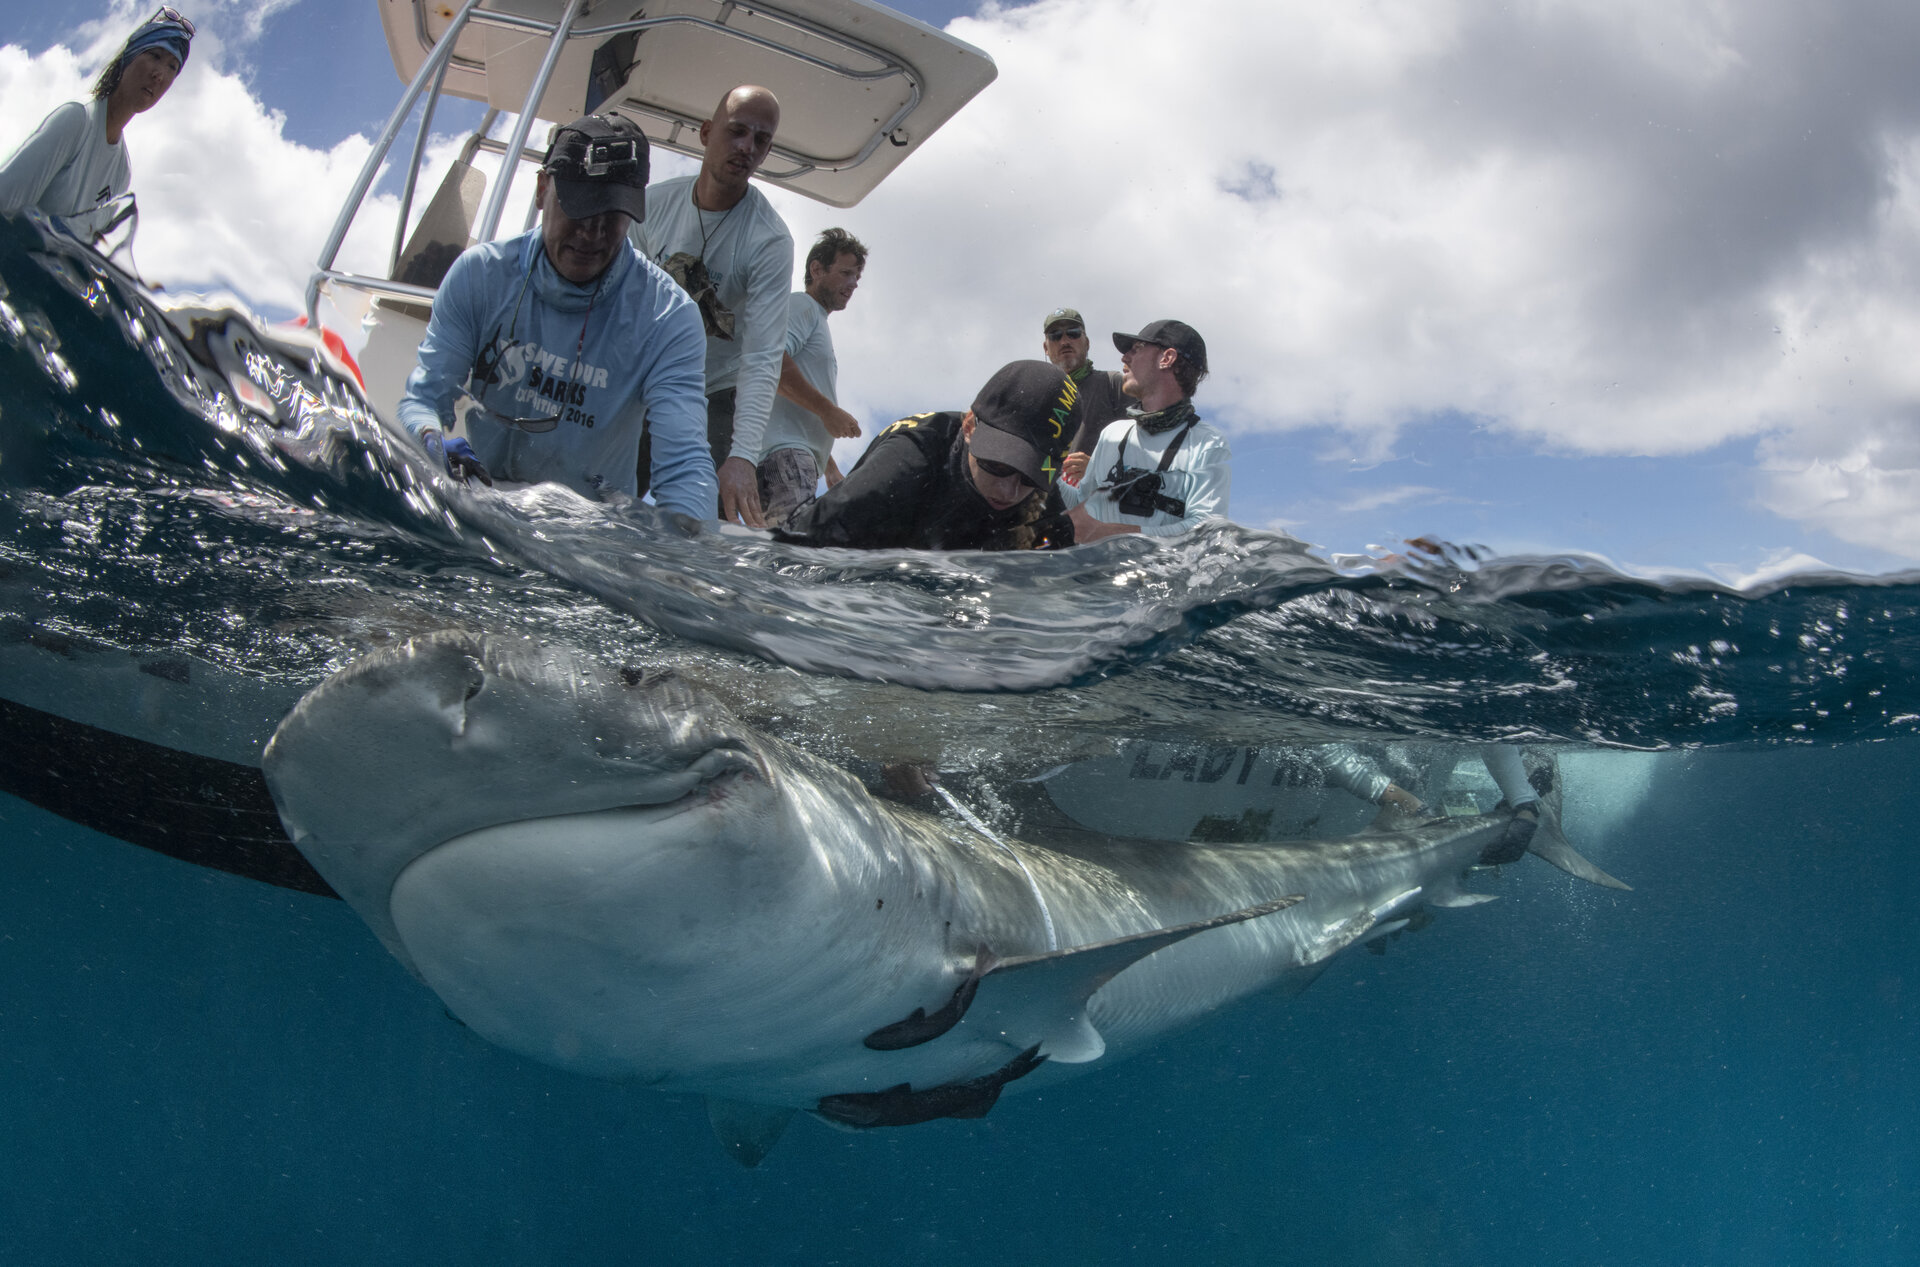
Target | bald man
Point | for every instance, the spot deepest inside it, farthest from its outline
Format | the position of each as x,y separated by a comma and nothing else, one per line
723,242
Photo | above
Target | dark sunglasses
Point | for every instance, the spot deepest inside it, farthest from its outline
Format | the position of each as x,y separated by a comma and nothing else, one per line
532,426
486,373
173,17
1065,332
1001,471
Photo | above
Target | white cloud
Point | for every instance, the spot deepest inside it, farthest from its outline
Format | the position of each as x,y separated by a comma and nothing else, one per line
1397,496
226,200
1639,228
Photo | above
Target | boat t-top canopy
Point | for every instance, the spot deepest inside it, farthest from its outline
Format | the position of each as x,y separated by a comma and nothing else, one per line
860,88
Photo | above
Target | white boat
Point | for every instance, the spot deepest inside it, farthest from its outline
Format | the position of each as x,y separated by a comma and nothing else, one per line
860,87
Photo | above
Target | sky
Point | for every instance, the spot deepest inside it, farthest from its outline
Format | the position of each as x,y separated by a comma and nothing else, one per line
1637,278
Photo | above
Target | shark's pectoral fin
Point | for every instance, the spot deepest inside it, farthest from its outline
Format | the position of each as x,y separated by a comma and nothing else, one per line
1550,843
1337,937
1387,929
746,1131
924,1028
1334,938
903,1106
1043,998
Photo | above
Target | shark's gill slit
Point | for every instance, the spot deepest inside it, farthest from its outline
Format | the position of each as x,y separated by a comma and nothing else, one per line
1046,916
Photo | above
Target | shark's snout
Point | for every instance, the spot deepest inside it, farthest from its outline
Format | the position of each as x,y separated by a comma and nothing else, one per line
457,733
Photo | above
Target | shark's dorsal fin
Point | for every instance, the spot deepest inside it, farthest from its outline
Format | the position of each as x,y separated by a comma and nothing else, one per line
746,1131
1043,998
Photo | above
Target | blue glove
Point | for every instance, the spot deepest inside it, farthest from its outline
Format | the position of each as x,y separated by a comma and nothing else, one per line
457,456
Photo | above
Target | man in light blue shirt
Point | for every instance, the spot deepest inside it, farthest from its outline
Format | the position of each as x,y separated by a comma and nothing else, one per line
1162,471
565,339
807,417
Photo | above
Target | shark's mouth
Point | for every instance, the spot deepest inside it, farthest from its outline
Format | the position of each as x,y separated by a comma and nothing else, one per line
710,779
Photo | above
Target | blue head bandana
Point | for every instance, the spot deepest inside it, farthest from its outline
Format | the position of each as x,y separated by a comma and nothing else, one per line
165,29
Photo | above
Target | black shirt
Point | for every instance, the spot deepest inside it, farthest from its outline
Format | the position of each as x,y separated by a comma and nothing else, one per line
1100,402
911,490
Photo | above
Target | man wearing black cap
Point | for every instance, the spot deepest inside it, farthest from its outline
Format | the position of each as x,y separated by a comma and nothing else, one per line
982,480
562,340
1161,472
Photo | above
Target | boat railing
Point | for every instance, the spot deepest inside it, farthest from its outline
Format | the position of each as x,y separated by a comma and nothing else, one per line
682,130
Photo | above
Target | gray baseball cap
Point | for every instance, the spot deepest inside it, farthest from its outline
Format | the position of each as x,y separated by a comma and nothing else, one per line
1062,316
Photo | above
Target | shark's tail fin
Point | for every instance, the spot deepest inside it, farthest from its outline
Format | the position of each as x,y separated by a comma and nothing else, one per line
1550,843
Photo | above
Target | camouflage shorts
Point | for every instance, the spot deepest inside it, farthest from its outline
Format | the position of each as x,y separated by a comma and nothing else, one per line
788,478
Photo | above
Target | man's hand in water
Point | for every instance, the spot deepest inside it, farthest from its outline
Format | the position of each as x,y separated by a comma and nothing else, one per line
1398,807
740,493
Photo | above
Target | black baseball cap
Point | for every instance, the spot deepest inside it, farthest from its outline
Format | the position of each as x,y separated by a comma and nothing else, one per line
599,164
1023,419
1177,335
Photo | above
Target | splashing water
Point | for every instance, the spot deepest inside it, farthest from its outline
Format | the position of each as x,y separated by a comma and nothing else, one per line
178,480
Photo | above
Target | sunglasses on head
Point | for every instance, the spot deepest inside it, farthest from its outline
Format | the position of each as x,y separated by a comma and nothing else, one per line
171,16
1001,471
1065,332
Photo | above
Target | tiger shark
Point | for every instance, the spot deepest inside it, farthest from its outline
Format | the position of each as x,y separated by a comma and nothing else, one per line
606,872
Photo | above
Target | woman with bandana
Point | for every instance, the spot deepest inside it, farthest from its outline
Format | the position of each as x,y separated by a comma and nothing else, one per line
74,167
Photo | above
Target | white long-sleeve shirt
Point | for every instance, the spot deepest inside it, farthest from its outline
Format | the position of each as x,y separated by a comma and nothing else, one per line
68,170
749,254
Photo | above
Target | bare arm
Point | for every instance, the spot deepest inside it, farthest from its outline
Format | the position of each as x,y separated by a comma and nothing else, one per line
794,386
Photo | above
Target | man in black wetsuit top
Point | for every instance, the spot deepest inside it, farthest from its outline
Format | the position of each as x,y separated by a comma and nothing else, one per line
982,480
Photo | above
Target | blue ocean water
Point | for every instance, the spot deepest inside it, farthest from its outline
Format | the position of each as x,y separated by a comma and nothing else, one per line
1716,1068
200,1067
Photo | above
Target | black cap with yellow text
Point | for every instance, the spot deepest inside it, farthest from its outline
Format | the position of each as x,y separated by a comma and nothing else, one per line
1023,419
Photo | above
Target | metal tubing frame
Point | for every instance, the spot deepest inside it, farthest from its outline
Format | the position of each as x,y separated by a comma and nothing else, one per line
890,66
413,169
509,167
440,58
442,53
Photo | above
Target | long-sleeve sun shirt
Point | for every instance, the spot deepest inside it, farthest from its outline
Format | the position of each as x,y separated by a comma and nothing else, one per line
69,170
597,359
